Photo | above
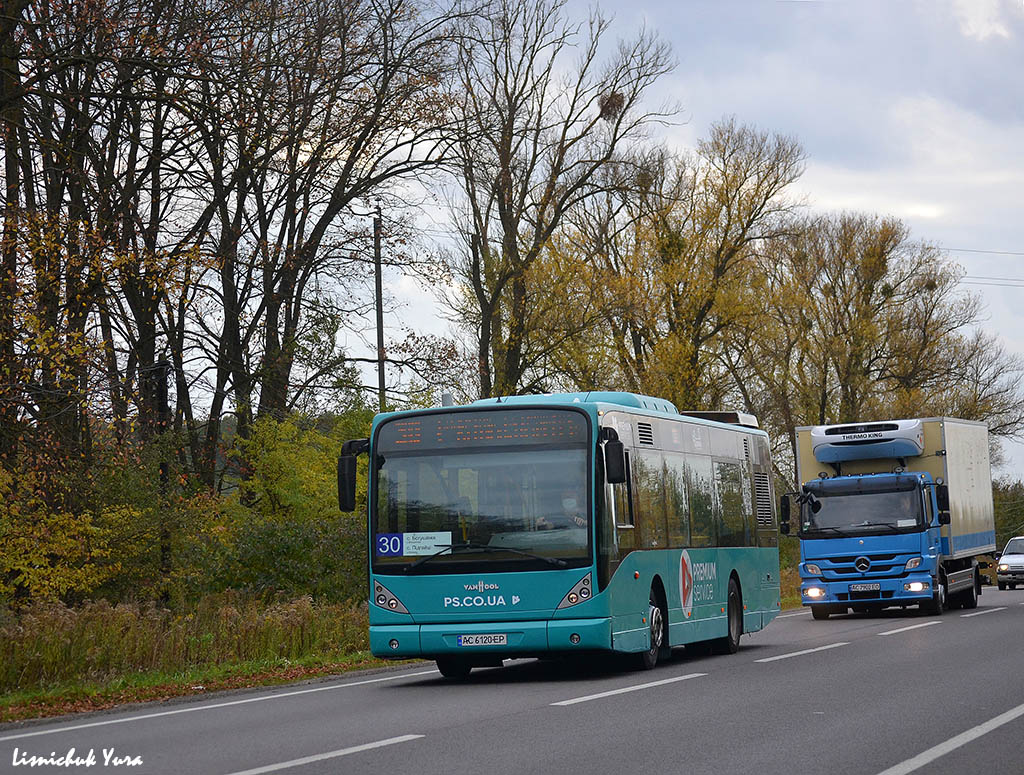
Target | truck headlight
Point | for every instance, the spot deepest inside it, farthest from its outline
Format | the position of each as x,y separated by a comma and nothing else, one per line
1002,566
916,586
814,592
912,563
812,570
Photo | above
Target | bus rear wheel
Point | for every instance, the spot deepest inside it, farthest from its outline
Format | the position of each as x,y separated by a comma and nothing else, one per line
453,667
730,644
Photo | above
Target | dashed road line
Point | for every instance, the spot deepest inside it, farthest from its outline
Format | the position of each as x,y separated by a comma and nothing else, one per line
329,755
627,689
911,627
805,651
980,613
927,757
787,616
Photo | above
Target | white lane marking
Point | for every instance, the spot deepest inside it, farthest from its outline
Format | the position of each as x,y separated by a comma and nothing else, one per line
329,755
911,627
805,651
628,689
786,616
926,757
986,611
213,706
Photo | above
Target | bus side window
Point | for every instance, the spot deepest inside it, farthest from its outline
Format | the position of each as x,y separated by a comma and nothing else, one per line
728,483
700,487
624,511
649,498
678,508
604,514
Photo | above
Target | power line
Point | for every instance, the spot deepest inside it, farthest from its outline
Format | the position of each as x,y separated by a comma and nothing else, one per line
990,252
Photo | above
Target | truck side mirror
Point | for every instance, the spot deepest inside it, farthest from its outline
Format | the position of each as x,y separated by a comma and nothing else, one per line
614,462
944,518
942,498
784,512
347,482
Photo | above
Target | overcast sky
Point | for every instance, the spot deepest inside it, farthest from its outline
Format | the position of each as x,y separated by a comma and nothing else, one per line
911,108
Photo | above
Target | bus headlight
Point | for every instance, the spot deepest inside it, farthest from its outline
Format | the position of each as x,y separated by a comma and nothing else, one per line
812,570
814,592
912,563
385,599
578,594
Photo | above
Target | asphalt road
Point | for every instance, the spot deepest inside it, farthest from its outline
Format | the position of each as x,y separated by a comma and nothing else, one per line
891,693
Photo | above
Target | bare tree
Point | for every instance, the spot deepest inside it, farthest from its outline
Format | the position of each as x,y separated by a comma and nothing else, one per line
534,132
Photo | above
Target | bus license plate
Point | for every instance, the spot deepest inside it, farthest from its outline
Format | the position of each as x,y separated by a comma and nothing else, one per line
489,639
865,587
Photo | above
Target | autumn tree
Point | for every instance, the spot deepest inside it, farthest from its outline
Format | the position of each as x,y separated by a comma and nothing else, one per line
858,321
534,130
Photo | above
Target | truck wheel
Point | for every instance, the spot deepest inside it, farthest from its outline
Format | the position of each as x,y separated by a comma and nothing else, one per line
935,606
1002,585
820,611
453,667
969,597
730,644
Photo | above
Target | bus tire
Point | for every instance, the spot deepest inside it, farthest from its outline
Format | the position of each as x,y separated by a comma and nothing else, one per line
453,667
658,626
730,644
821,611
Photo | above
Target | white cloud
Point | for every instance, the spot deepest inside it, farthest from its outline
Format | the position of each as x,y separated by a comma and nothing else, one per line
981,19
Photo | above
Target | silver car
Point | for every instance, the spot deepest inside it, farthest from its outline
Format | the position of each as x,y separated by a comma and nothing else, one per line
1010,570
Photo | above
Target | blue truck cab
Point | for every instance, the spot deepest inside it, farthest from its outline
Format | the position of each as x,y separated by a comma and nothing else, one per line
895,513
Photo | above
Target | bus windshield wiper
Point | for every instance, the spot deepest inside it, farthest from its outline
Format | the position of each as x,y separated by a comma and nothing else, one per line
470,546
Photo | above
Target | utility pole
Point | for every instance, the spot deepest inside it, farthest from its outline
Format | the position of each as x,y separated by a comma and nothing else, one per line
380,310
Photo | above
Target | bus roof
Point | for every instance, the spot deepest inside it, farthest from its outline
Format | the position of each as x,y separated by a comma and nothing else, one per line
631,400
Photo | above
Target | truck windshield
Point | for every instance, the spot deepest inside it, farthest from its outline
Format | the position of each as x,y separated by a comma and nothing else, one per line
863,507
503,491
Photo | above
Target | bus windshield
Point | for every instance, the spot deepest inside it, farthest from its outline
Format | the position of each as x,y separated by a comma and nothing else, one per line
508,492
863,507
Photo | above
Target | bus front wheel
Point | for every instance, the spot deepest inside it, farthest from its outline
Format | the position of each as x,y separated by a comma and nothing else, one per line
649,658
453,667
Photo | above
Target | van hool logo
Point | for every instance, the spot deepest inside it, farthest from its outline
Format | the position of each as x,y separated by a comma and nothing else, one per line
480,586
686,583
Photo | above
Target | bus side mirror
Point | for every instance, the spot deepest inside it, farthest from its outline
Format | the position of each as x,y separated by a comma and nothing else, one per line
347,472
784,511
942,498
614,462
347,482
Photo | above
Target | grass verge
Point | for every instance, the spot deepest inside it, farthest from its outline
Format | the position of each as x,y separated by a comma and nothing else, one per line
150,686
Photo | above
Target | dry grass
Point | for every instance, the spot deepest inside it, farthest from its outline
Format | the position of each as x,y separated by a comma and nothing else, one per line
51,644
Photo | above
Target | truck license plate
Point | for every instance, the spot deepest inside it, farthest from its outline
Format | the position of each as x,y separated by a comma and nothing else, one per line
490,639
865,587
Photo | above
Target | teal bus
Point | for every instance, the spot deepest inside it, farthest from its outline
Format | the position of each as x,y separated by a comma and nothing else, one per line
539,526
